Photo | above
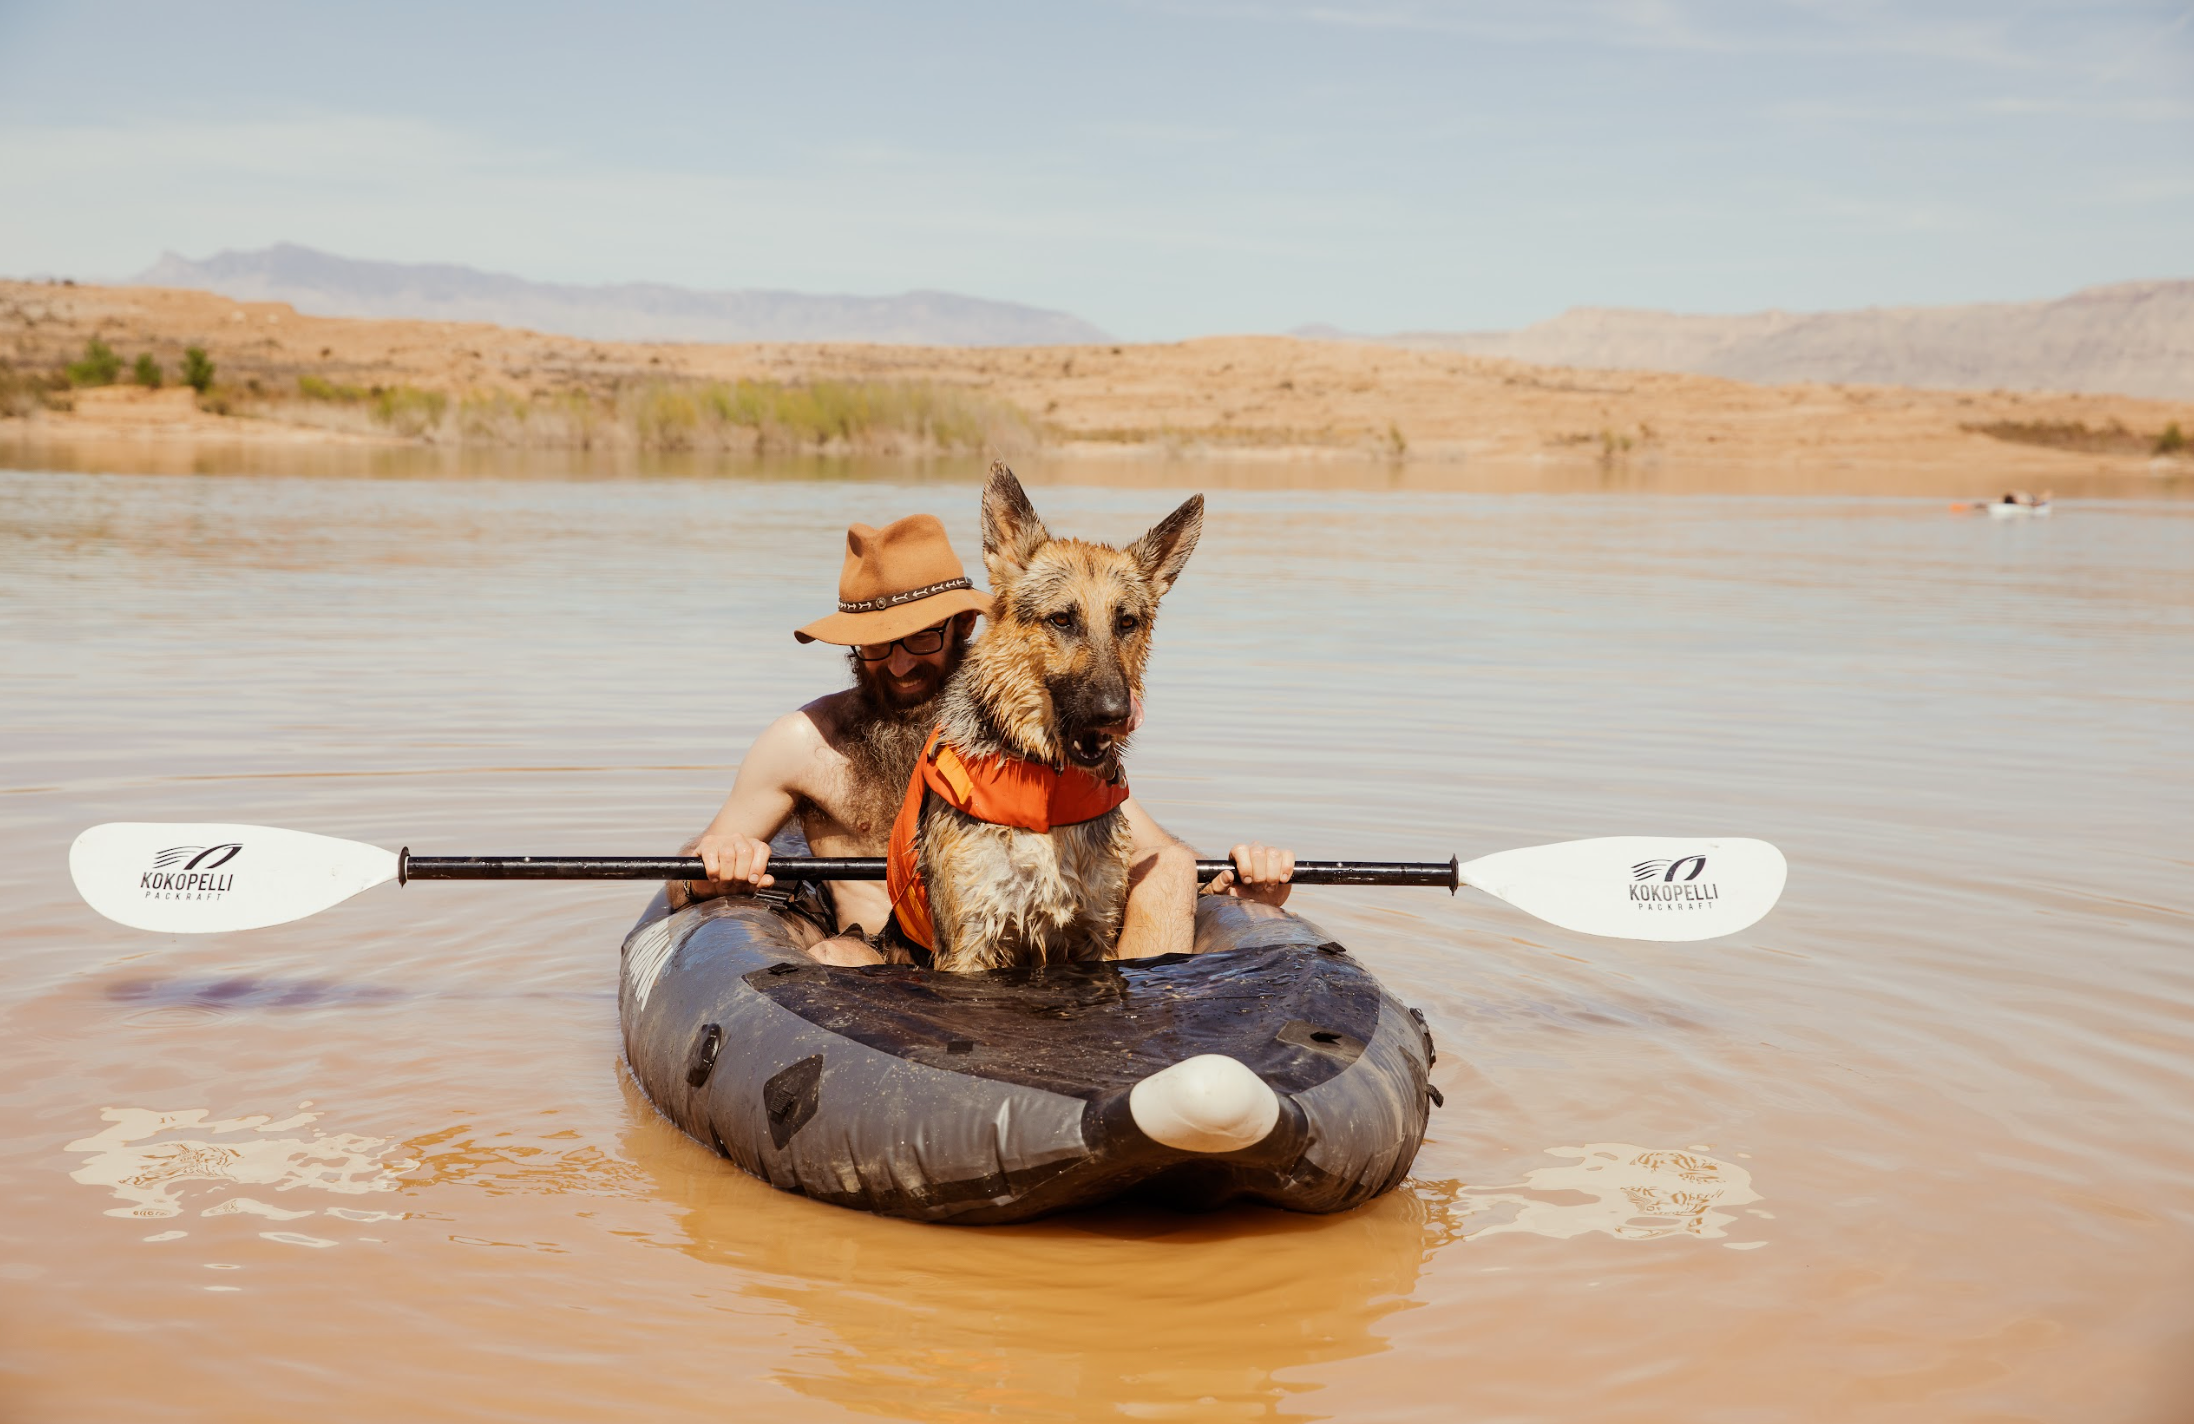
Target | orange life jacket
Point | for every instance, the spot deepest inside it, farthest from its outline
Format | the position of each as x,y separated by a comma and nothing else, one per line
1003,790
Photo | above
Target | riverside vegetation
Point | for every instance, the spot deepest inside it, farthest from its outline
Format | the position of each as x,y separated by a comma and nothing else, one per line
2111,439
893,417
22,392
878,416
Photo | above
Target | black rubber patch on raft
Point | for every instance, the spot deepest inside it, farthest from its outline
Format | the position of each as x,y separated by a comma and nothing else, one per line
1341,1047
790,1096
704,1054
1086,1030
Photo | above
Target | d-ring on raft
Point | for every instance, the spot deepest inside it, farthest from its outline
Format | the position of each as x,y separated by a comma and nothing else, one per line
1270,1067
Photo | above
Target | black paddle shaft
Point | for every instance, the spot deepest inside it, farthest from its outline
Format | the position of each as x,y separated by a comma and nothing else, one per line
815,867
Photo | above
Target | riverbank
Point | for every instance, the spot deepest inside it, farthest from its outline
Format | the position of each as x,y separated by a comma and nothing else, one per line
286,379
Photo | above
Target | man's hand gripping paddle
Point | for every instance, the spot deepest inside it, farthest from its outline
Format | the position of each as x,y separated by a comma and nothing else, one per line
200,879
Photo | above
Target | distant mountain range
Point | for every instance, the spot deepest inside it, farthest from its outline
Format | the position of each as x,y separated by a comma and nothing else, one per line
322,284
2134,338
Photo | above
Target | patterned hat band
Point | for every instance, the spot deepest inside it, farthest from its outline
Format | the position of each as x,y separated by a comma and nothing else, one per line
893,600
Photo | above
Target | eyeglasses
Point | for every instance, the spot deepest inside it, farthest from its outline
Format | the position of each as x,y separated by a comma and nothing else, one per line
921,644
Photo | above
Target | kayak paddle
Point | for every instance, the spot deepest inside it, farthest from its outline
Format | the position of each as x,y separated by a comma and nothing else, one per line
200,879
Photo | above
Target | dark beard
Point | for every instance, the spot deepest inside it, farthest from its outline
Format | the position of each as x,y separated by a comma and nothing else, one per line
883,740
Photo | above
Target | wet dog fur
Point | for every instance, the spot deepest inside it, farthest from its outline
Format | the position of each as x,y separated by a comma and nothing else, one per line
1051,679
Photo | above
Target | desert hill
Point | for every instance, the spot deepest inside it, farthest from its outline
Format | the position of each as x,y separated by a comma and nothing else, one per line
285,377
322,284
2131,338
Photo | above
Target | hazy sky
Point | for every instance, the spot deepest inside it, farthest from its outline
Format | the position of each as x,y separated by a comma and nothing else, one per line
1162,169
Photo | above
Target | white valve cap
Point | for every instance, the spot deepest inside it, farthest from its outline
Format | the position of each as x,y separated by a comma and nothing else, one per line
1209,1103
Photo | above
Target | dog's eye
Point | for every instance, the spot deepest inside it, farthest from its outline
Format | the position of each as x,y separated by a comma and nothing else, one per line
1129,623
1064,622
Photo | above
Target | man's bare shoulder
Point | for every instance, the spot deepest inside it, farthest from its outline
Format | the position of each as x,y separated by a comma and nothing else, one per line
794,749
789,741
823,718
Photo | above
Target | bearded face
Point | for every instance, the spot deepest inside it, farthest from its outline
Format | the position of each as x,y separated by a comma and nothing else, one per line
885,694
889,719
913,692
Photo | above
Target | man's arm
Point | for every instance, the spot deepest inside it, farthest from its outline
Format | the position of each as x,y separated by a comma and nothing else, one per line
1161,886
1161,891
735,847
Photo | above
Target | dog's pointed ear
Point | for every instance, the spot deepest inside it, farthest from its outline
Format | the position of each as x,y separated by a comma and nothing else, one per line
1162,552
1011,531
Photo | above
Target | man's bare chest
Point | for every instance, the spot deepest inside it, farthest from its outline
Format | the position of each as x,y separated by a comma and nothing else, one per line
843,812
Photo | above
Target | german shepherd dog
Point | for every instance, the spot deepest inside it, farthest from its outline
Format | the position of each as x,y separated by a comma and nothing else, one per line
1050,680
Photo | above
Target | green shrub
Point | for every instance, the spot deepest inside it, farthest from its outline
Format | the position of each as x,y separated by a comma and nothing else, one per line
408,410
19,395
491,417
321,389
665,416
2172,441
2111,439
197,370
98,368
148,372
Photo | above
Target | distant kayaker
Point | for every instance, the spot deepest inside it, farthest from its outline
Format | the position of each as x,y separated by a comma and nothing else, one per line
841,764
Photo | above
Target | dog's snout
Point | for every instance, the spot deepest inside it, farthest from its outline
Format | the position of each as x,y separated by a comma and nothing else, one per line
1110,709
1093,704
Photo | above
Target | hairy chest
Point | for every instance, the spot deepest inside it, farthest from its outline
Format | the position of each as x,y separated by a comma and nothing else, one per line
843,811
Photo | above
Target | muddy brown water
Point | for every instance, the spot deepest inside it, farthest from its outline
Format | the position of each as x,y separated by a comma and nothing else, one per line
1918,1146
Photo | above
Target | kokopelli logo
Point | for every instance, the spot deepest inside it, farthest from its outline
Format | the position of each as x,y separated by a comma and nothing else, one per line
197,857
1672,884
188,872
1666,869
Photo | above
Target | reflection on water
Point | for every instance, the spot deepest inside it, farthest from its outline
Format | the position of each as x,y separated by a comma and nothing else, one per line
1151,1315
155,1160
211,996
520,1157
1632,1193
1233,471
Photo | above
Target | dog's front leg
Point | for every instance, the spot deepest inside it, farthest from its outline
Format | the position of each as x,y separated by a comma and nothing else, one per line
975,892
1093,857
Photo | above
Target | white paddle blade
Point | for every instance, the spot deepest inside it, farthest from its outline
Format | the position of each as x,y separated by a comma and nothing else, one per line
1638,887
198,879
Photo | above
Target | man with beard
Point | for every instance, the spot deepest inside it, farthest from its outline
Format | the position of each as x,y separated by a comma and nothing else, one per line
841,764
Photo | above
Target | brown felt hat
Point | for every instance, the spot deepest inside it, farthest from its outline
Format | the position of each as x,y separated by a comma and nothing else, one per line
898,580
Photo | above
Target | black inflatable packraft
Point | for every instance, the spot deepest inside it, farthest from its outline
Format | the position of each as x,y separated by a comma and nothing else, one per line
1005,1095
